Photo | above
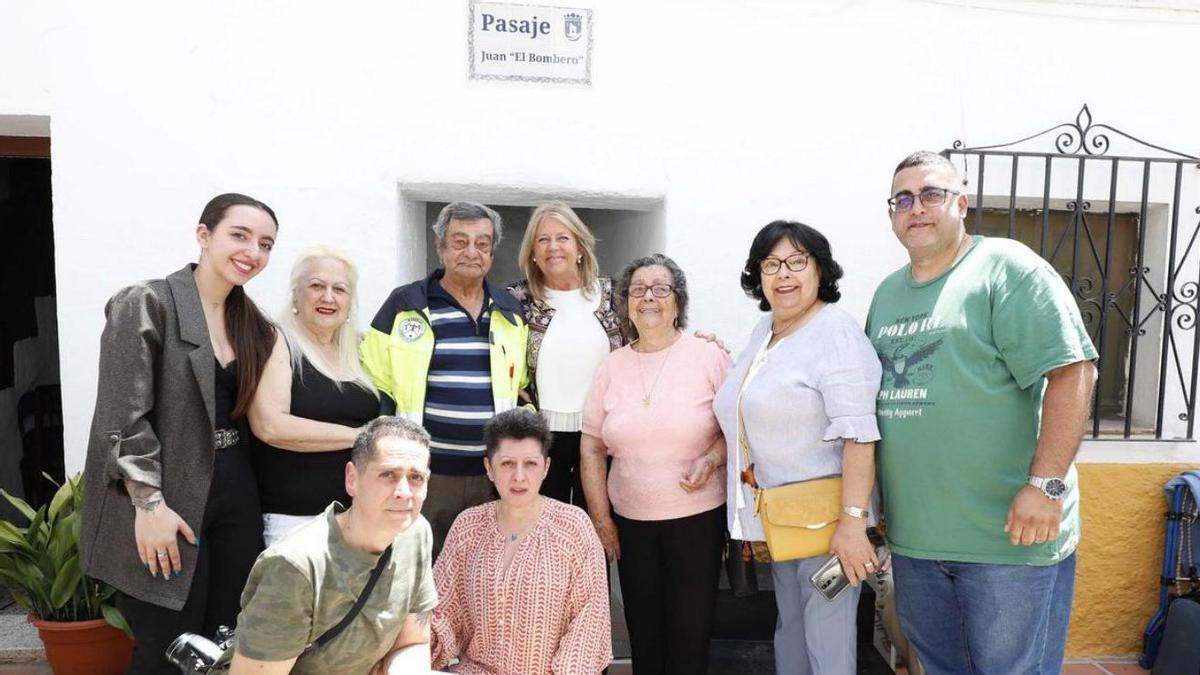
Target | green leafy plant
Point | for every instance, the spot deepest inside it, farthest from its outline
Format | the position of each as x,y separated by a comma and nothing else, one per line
39,563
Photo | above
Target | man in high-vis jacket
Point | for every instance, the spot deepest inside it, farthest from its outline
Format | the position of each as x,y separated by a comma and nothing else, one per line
449,350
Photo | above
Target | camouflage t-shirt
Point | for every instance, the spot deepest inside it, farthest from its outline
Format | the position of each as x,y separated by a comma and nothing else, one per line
305,584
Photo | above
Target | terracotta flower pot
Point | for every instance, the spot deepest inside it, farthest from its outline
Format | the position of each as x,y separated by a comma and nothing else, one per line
84,647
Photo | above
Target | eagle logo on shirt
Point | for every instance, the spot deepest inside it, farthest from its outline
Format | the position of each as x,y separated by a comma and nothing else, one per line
897,364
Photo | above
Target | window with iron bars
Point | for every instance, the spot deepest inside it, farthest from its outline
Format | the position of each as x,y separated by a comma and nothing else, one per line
1121,229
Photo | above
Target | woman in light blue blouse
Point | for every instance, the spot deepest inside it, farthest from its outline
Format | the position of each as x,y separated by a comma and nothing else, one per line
806,383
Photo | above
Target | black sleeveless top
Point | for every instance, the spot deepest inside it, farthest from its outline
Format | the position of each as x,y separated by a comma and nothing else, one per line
304,483
225,395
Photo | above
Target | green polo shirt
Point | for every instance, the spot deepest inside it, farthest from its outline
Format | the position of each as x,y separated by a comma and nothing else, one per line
964,357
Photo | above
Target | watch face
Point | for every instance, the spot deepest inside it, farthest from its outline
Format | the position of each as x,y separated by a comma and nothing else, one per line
1055,488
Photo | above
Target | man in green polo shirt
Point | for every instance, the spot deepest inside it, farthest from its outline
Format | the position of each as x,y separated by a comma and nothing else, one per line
987,381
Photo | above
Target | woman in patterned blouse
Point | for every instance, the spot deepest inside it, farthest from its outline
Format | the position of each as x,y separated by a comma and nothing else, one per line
521,580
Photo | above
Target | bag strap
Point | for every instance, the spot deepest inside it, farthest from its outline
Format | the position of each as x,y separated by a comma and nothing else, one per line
743,442
331,634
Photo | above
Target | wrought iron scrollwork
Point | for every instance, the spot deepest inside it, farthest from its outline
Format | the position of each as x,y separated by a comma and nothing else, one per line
1140,301
1079,136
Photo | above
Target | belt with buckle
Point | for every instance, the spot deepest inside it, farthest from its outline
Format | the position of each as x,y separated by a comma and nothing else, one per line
224,438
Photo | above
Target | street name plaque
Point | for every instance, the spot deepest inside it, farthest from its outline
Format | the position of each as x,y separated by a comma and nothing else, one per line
531,43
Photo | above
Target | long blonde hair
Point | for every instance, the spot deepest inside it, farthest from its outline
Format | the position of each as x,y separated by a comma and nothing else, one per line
589,269
344,338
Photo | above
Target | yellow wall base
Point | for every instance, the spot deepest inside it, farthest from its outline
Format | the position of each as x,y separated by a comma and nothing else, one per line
1120,556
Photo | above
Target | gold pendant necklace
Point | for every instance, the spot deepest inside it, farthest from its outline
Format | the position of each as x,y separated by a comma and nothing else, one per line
642,380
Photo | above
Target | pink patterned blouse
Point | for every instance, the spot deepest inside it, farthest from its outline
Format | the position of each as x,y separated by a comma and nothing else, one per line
548,614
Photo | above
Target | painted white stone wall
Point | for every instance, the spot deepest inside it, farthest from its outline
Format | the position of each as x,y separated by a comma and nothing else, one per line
25,29
731,113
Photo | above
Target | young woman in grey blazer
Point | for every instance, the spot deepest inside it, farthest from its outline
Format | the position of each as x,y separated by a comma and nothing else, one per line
171,514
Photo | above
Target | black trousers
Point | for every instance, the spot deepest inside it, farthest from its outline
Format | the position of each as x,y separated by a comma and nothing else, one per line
563,480
230,540
669,571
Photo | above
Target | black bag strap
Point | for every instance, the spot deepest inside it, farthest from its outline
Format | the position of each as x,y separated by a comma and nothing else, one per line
331,634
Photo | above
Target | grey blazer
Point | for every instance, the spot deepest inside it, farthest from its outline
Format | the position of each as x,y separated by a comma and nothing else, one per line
153,424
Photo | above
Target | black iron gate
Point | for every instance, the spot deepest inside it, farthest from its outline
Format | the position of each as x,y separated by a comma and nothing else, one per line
1110,222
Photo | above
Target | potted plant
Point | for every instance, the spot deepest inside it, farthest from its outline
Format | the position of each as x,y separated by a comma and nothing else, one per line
76,616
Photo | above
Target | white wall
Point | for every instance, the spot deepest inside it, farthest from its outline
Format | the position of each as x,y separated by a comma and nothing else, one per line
25,83
733,113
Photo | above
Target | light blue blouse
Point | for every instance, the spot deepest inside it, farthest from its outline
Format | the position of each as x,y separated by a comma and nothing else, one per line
816,388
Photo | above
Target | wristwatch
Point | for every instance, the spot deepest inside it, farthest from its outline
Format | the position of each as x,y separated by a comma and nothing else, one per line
1053,488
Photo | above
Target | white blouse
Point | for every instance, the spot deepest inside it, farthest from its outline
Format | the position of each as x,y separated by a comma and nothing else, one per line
574,346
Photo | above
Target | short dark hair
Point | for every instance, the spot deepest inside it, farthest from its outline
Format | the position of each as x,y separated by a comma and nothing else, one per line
516,424
801,236
367,442
678,281
927,158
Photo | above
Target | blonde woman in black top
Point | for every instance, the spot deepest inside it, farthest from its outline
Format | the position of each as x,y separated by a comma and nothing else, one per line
313,397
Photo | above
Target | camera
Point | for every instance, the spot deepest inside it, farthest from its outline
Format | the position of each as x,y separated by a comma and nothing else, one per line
197,655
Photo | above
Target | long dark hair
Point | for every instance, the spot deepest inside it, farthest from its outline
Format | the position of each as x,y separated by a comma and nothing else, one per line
251,334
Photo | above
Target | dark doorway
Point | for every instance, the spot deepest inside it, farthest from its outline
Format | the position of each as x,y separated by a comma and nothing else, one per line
30,399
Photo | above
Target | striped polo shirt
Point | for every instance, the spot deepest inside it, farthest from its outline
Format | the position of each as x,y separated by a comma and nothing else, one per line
458,391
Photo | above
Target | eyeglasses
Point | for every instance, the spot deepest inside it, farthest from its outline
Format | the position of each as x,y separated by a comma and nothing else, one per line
482,244
930,197
795,262
657,290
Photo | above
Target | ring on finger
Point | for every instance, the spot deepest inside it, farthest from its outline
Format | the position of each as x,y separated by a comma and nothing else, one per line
162,554
870,566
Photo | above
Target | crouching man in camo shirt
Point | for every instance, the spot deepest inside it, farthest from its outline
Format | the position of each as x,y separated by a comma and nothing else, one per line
308,583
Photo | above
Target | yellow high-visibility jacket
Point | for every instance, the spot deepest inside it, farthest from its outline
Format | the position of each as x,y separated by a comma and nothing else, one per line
399,346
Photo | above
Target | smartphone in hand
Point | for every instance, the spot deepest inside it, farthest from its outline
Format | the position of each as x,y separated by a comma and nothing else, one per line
829,579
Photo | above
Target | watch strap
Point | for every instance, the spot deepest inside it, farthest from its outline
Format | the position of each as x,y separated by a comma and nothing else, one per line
1043,483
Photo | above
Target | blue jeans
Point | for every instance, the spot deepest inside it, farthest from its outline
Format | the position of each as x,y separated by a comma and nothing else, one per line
985,618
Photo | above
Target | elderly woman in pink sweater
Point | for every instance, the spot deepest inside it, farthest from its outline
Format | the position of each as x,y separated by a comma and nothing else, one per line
650,409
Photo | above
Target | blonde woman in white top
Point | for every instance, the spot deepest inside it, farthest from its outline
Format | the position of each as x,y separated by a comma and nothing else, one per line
573,326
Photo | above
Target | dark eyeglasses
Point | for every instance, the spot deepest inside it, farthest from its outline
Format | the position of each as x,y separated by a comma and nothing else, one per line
795,262
657,290
930,197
